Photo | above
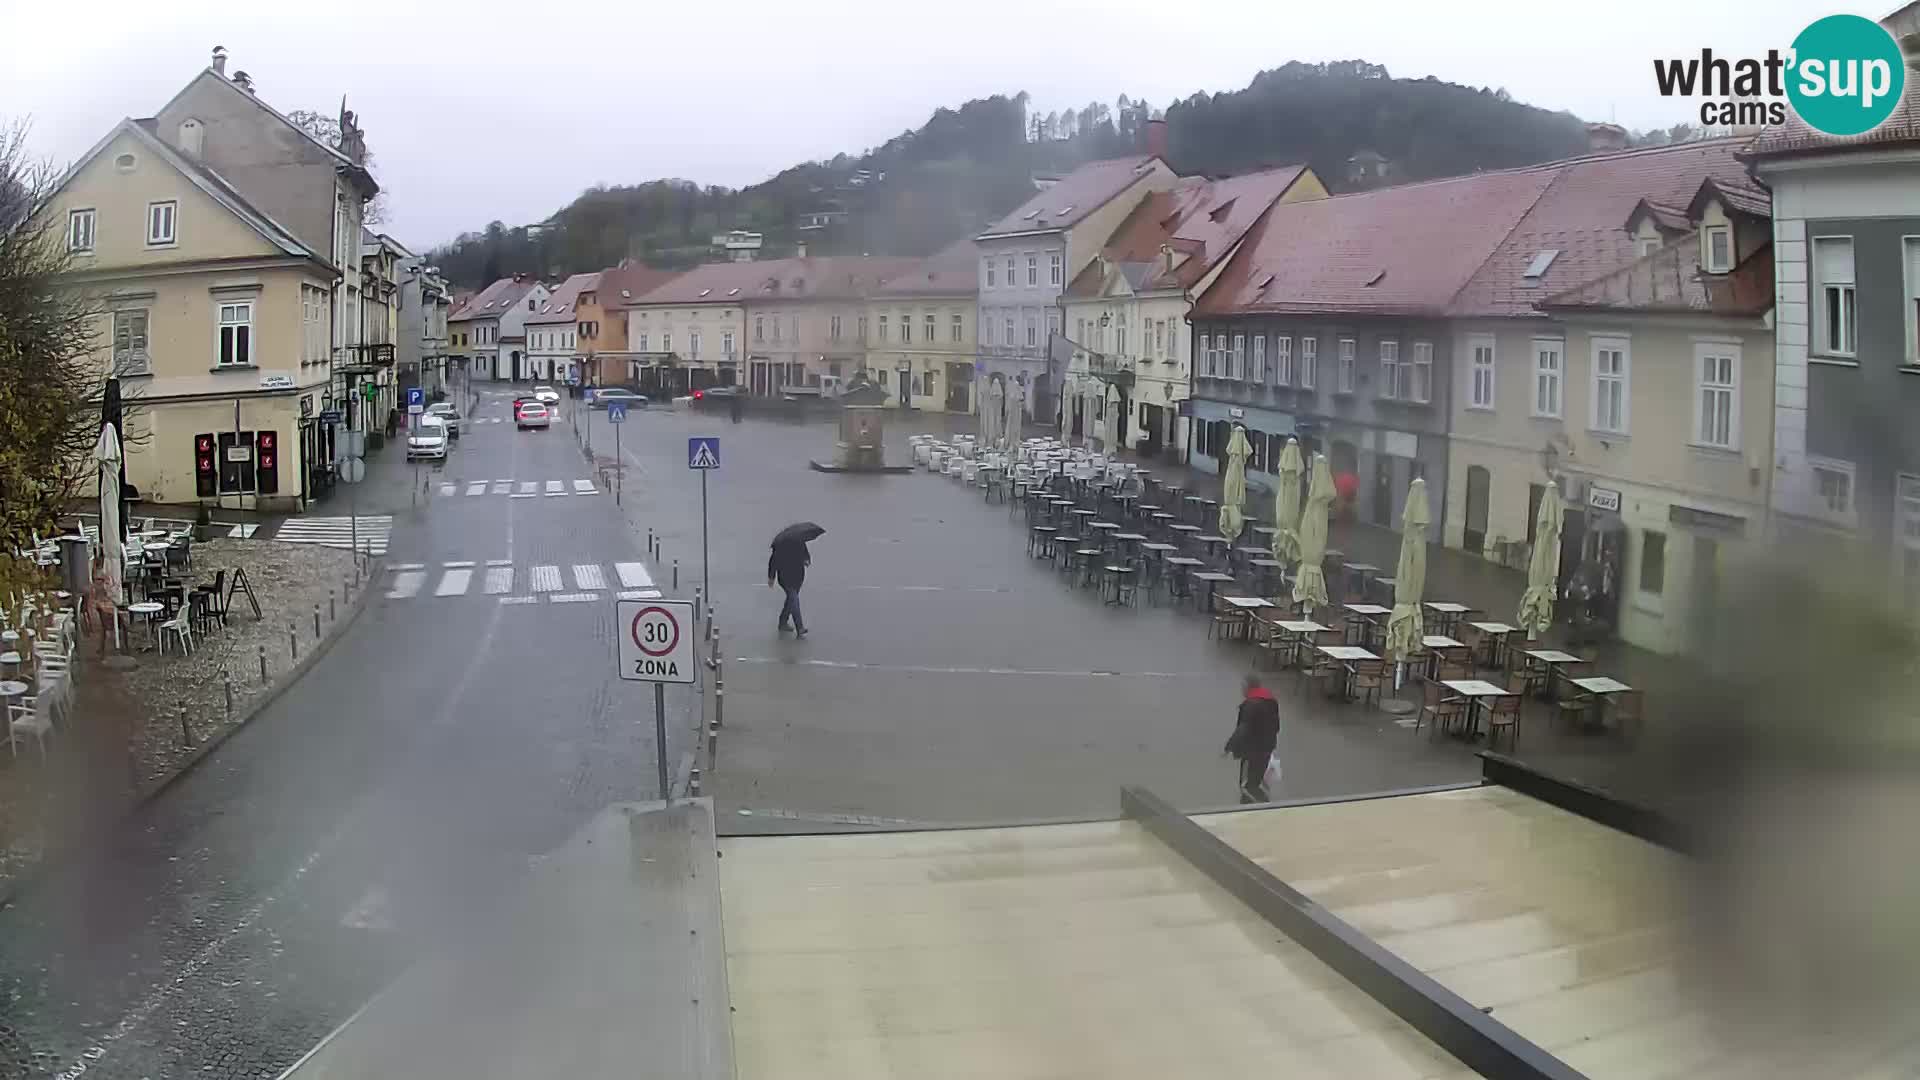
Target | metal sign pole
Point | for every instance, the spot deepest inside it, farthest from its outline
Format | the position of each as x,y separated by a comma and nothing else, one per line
660,738
705,584
619,464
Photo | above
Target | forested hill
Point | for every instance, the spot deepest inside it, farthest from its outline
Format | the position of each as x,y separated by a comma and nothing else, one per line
968,166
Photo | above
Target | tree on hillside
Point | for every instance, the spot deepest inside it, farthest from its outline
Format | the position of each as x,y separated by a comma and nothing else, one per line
51,381
327,130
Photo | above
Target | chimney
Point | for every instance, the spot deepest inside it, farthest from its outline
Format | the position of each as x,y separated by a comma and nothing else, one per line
1166,253
243,80
1604,138
1156,138
220,60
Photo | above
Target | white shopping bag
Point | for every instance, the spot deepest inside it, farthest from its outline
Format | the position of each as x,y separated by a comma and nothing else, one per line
1272,777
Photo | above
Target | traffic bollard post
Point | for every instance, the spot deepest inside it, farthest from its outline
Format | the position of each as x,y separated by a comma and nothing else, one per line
263,665
293,643
333,612
676,575
226,683
316,619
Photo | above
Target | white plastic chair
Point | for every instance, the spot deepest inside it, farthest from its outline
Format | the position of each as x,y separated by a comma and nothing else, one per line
32,717
181,629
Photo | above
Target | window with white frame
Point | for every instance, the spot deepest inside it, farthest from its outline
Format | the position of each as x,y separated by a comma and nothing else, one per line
1611,362
1259,373
666,341
1119,338
726,343
1283,360
833,328
1421,388
931,325
1033,330
958,329
1053,269
1480,372
1907,506
1007,325
693,343
1833,277
130,355
313,325
1717,395
1343,374
1716,248
906,328
640,343
1549,356
1160,336
1309,362
80,230
1832,488
236,333
991,274
1033,268
1395,380
1008,267
1911,246
883,329
1237,365
1207,355
160,222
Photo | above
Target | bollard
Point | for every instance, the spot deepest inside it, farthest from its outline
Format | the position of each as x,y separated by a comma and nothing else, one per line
719,702
263,665
676,575
293,643
226,683
713,745
696,605
649,541
316,618
186,732
332,611
693,782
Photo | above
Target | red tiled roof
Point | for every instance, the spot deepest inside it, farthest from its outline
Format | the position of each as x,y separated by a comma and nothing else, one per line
1795,137
1398,250
952,271
1582,215
495,300
1670,280
624,285
1200,219
843,277
559,307
1752,201
1072,197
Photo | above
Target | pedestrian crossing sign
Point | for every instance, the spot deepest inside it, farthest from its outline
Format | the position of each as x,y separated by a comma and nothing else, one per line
703,452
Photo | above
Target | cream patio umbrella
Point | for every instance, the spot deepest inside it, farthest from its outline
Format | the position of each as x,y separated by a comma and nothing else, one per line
1543,569
106,456
1310,586
1233,495
1286,504
1016,415
1410,577
990,413
1113,423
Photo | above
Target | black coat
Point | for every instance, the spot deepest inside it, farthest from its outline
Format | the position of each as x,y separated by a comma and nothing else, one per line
1257,728
787,564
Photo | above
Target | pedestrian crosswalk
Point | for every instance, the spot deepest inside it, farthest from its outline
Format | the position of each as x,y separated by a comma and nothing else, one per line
370,532
517,489
506,583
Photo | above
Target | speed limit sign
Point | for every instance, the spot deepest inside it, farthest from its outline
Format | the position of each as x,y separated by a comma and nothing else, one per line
656,640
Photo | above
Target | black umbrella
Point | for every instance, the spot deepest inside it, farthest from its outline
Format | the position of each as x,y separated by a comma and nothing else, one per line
800,532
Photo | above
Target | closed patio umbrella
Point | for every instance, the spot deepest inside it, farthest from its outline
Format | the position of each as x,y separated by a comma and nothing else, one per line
1016,414
1233,496
990,412
1310,586
1286,504
1113,423
107,457
1410,576
1543,569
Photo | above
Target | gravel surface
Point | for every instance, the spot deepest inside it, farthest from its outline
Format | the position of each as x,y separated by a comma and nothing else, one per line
126,730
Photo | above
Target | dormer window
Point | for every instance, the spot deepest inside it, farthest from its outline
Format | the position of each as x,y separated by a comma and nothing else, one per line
1646,246
1717,248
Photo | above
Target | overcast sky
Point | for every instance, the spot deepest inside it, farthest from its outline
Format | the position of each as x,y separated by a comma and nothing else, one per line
478,111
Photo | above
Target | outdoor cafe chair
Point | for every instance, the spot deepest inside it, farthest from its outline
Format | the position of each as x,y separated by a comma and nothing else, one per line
1626,709
1369,679
1439,706
1573,706
1227,621
180,629
31,716
1504,712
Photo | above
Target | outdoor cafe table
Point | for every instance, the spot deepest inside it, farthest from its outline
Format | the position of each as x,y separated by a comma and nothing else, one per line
1496,632
1265,570
1365,616
147,609
1212,540
1177,565
12,688
1116,577
1551,659
1434,644
1475,691
1214,580
1361,571
1601,685
1125,540
1449,613
1346,654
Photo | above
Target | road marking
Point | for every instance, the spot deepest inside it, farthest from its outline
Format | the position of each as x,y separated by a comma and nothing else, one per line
499,580
406,583
242,532
448,489
458,562
502,487
633,575
587,576
453,583
585,487
518,599
478,487
407,566
524,495
640,594
546,579
499,562
921,669
508,480
554,487
574,597
528,487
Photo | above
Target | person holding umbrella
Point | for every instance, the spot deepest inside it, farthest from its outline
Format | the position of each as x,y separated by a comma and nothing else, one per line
787,566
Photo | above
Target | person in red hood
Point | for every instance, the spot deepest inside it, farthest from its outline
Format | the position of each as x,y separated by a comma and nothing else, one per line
1255,734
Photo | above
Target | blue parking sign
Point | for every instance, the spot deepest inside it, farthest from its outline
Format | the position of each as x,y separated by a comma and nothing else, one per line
416,396
616,412
703,452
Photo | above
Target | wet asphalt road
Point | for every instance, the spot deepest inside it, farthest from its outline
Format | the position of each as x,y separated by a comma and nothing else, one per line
443,742
450,737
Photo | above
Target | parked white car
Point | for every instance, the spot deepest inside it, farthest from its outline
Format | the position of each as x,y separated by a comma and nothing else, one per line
428,440
547,394
448,415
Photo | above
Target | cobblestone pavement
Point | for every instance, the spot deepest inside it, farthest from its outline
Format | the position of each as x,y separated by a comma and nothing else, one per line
440,745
